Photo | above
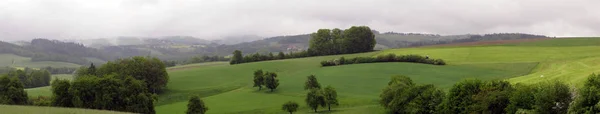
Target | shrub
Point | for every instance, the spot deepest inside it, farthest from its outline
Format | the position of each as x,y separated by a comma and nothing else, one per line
384,58
41,101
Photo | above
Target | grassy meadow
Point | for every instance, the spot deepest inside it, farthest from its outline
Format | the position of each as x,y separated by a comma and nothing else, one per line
228,88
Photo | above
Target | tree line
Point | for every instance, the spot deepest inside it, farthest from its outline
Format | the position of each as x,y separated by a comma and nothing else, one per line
494,97
238,58
384,58
31,78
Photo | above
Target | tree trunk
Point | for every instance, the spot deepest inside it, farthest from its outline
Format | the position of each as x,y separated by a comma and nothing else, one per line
271,90
315,110
329,107
290,112
259,88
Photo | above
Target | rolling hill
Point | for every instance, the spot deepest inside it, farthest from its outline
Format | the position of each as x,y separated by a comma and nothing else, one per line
228,88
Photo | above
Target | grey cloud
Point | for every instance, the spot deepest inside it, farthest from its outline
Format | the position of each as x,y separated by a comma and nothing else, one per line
212,19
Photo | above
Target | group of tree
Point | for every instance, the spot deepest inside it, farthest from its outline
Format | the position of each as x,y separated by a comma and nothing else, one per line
239,58
128,85
12,91
266,79
205,58
31,78
319,97
150,70
494,97
384,58
355,39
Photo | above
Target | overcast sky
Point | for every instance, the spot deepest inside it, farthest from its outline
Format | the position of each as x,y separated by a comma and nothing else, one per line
213,19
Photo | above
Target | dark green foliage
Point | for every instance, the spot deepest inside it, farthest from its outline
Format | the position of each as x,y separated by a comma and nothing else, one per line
259,79
196,106
315,98
356,39
41,101
237,57
492,98
330,97
384,58
271,80
460,96
11,91
521,98
112,92
588,99
92,69
281,55
403,96
31,78
290,107
311,83
60,93
150,70
552,98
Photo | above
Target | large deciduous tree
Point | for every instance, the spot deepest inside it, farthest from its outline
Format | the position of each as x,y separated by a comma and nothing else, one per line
259,79
588,101
355,39
60,93
330,97
314,99
12,91
271,80
403,96
196,106
311,83
237,57
150,70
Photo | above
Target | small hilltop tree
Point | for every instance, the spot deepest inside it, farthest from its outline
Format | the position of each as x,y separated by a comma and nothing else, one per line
259,79
196,106
290,106
312,83
330,97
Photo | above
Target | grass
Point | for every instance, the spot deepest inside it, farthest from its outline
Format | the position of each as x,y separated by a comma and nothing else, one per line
45,91
7,60
12,109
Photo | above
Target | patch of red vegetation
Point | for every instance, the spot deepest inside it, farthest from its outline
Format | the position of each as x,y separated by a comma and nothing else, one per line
489,42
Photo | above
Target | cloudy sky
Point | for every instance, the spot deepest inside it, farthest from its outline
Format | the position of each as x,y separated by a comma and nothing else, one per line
213,19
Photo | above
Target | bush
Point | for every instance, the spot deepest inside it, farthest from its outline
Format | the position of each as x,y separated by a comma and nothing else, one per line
41,101
384,58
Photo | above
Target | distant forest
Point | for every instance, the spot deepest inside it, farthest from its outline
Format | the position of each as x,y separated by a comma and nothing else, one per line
185,49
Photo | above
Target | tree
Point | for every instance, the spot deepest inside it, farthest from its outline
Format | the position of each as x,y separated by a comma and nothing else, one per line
493,97
552,98
112,92
521,98
311,83
290,106
271,81
271,56
460,96
92,69
359,39
150,70
330,96
237,57
259,79
588,99
196,106
281,55
12,91
314,99
60,93
403,96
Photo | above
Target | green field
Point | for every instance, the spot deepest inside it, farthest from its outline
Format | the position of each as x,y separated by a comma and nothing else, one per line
9,109
228,88
20,62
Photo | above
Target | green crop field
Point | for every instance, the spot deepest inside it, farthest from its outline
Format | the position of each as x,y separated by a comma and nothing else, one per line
20,62
228,88
9,109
